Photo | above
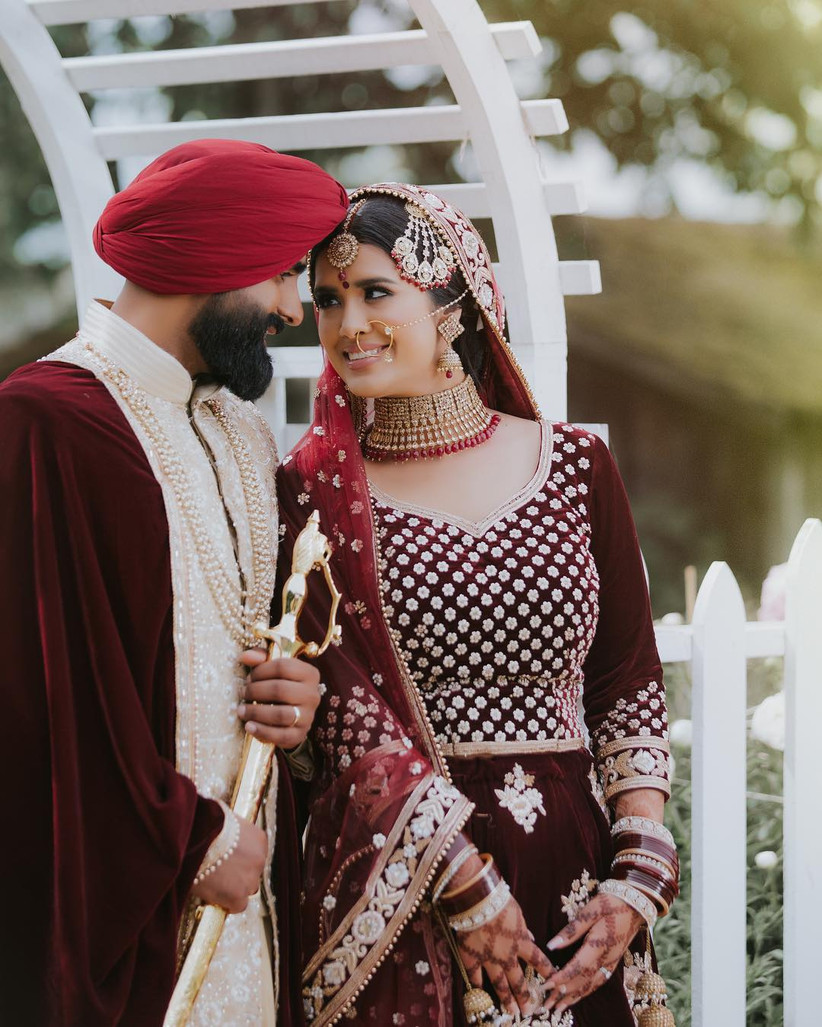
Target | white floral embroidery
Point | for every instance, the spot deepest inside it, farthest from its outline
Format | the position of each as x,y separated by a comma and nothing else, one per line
579,894
387,893
520,798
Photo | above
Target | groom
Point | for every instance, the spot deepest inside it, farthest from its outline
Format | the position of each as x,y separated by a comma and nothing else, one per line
138,541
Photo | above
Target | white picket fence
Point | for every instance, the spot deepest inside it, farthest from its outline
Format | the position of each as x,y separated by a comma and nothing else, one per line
718,645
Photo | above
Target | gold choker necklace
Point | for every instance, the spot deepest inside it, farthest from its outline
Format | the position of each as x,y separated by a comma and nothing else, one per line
425,427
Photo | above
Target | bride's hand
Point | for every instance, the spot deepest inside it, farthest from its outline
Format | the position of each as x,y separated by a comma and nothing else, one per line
500,948
607,925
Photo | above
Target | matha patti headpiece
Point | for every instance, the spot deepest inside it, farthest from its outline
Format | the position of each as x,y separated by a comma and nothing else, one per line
343,248
422,258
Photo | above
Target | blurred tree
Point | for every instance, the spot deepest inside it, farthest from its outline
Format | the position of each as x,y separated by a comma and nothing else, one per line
736,84
733,84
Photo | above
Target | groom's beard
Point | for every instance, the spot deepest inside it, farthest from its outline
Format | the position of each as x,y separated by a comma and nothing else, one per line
231,338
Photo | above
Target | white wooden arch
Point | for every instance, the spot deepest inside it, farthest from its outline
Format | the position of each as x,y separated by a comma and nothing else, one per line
454,35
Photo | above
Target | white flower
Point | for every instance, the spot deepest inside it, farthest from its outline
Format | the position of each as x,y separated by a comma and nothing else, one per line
681,733
368,926
334,973
329,902
378,841
766,860
772,598
422,968
644,762
396,874
768,721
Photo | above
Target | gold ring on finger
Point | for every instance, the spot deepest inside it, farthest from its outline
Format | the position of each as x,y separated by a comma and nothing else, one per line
296,719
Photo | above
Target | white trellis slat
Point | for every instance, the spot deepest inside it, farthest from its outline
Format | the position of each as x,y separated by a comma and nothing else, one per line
453,34
279,59
506,158
472,197
803,778
718,937
338,130
80,179
71,12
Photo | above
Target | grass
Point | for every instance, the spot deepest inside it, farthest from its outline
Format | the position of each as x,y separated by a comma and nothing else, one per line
764,885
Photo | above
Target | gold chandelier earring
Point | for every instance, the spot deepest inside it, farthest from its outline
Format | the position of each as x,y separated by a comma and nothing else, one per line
450,328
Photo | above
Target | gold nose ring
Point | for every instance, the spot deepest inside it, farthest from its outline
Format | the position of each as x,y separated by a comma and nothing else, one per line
387,330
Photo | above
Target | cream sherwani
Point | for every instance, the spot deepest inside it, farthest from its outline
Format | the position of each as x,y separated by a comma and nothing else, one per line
215,459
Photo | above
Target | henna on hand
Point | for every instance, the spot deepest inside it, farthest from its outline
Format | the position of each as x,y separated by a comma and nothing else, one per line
499,947
607,925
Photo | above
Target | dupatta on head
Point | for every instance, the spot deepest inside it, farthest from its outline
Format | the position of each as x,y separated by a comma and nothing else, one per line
383,810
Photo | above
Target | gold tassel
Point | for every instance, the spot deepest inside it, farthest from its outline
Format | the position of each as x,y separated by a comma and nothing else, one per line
479,1006
652,992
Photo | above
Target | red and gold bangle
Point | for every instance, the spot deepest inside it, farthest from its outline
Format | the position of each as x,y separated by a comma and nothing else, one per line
463,854
662,893
662,905
488,860
474,892
649,844
484,911
645,858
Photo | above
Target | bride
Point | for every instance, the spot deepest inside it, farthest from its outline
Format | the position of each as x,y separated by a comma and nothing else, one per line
467,833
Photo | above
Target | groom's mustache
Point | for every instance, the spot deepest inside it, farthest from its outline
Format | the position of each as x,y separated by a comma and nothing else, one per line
274,325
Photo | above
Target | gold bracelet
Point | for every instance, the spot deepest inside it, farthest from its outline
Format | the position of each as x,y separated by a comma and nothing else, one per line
488,859
450,871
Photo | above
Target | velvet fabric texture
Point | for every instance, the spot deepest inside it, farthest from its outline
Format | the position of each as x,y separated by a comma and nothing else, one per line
102,836
215,215
372,730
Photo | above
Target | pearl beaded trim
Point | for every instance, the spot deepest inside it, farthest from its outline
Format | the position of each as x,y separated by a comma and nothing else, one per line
634,898
238,610
643,825
484,912
223,846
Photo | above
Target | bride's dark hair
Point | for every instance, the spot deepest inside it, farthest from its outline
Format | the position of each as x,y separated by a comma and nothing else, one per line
380,222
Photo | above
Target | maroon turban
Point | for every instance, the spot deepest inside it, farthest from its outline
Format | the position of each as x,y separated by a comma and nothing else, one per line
215,215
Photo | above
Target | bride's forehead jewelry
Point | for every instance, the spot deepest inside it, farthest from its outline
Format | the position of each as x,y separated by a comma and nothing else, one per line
343,248
422,258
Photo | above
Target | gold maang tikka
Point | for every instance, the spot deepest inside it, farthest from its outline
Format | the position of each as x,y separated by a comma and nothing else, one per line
343,248
422,258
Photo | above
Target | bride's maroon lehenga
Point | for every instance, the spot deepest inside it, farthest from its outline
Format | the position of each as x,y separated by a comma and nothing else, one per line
453,702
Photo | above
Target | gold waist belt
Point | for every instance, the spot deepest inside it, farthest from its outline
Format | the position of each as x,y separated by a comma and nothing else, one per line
511,748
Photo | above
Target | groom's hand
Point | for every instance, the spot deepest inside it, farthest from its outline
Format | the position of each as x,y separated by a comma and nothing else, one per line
280,698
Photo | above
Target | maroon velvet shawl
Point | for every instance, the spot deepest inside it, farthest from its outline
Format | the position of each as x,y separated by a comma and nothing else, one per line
102,836
383,812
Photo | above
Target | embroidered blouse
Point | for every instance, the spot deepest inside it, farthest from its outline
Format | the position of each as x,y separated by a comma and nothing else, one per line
516,626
